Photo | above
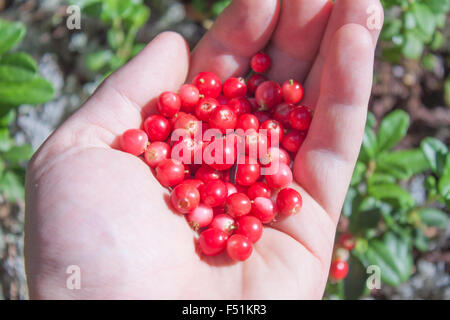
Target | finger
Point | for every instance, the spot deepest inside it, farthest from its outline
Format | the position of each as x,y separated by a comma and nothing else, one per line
325,162
239,32
367,13
297,38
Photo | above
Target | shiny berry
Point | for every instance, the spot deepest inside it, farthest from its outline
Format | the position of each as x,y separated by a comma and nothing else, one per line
157,128
196,183
289,202
274,156
247,121
248,171
234,88
281,113
292,91
249,226
200,217
347,241
240,105
214,193
189,95
223,118
231,188
268,95
212,241
282,177
134,141
156,153
239,247
300,118
237,205
208,84
185,198
188,123
205,173
170,172
262,116
259,189
338,270
274,130
254,81
263,209
293,140
256,143
223,222
169,103
260,62
205,108
221,153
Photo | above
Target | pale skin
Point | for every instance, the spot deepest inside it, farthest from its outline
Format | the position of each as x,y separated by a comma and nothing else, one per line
91,205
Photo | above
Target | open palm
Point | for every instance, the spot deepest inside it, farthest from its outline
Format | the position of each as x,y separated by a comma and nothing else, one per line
93,206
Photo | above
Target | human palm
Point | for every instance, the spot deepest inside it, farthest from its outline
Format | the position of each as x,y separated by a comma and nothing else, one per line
93,206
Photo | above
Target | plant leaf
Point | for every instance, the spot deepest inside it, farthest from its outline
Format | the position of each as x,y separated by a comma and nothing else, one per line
20,59
38,90
392,129
392,193
11,33
436,153
433,217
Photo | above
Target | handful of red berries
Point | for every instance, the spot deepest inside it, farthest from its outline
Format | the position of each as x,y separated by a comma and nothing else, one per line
227,161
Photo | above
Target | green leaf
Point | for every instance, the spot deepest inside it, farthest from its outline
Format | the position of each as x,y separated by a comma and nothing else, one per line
369,144
15,74
381,178
393,255
5,140
391,28
19,59
355,282
7,117
358,173
11,33
97,60
11,185
17,154
447,92
403,164
371,120
409,20
437,42
433,217
438,6
413,46
392,193
351,201
436,154
137,16
444,186
425,17
392,129
35,91
420,241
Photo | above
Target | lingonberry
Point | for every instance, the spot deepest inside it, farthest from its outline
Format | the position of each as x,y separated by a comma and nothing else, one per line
231,188
223,222
200,217
205,108
170,172
249,226
256,143
260,62
338,270
240,105
274,130
185,198
189,95
248,171
247,121
205,173
222,99
282,177
293,140
268,95
262,116
187,150
208,84
157,127
221,153
263,209
254,81
274,156
223,118
347,241
234,88
169,103
292,91
196,183
156,152
237,205
212,241
281,113
289,202
175,118
239,247
214,193
134,141
189,123
300,118
259,189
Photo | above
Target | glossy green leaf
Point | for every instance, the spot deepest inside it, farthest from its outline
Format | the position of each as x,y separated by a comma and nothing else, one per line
5,139
11,185
97,60
17,154
19,59
393,194
392,129
413,46
11,33
403,164
444,186
438,6
424,17
35,91
369,144
433,217
358,173
10,73
436,153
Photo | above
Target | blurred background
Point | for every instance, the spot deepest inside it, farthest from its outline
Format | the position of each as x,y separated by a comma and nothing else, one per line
396,212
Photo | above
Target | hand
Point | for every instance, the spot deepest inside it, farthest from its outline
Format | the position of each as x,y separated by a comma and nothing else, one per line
93,206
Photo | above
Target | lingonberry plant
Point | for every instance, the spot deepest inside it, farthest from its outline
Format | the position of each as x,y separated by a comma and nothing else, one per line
385,223
223,163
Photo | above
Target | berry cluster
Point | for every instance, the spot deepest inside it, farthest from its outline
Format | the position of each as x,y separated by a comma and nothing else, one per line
225,150
339,265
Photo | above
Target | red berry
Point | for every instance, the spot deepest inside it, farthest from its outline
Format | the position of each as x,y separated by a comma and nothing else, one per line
134,141
262,116
200,217
234,88
231,188
237,205
214,193
189,95
222,99
212,241
282,177
275,131
196,183
281,113
268,95
248,171
300,118
338,270
223,222
205,108
347,241
170,172
157,128
188,123
289,202
221,153
205,173
239,247
169,104
256,143
293,140
156,153
223,118
292,91
208,84
263,209
260,62
259,189
247,121
251,227
274,156
254,81
184,198
240,105
187,150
